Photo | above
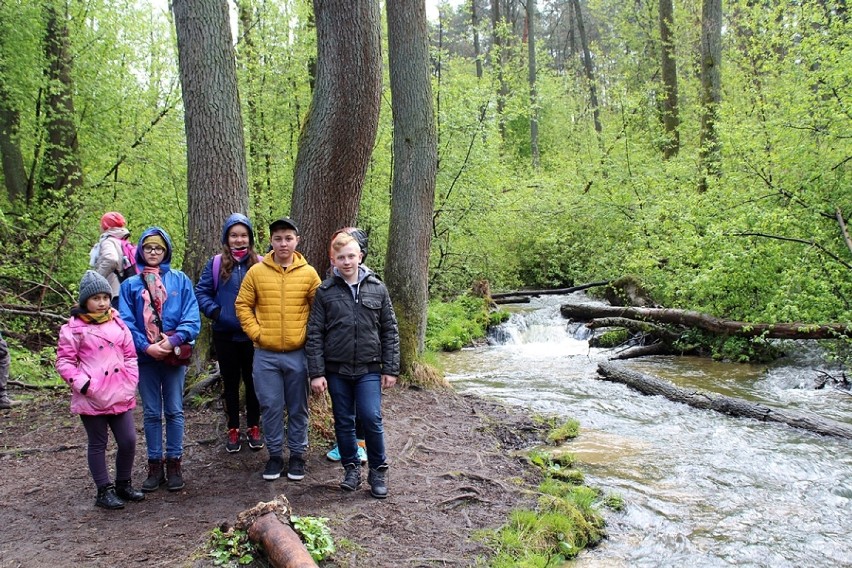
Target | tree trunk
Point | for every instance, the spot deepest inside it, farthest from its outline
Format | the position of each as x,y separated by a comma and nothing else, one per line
584,312
340,130
415,163
61,170
671,119
268,523
589,69
649,385
531,25
498,24
216,161
711,89
14,173
477,50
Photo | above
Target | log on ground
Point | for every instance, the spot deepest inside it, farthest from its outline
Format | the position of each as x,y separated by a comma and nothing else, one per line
689,318
268,524
650,385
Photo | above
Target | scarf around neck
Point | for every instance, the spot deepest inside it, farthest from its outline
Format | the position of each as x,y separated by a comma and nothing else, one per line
154,298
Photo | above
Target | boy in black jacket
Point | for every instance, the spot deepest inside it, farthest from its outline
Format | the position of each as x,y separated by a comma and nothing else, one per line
353,350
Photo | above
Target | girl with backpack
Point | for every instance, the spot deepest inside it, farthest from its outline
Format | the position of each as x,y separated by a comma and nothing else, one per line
113,256
217,292
97,359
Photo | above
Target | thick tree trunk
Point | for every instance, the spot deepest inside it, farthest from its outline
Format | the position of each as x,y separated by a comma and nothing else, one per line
14,173
340,130
584,312
711,90
671,120
415,164
216,162
649,385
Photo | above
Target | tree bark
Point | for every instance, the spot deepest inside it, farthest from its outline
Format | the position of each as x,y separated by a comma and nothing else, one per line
61,170
498,24
521,293
415,164
711,90
14,172
477,50
649,385
589,68
671,120
216,162
709,323
531,33
340,130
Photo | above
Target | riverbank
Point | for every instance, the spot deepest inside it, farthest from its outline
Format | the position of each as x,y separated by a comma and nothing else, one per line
453,473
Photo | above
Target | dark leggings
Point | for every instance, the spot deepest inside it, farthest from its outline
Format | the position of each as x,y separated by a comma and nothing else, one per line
235,363
124,431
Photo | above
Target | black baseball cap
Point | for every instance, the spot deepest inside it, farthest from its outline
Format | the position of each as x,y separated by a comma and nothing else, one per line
283,223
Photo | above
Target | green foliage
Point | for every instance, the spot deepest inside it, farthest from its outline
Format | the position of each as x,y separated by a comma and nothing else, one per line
611,338
452,325
231,547
34,367
728,348
569,430
315,534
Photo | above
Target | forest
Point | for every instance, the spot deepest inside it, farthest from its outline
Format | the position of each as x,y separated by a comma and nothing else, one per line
701,147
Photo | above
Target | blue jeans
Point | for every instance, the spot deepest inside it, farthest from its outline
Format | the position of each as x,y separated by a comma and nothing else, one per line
161,388
361,395
281,379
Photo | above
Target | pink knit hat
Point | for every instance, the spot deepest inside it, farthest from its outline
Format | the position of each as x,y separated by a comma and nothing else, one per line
111,220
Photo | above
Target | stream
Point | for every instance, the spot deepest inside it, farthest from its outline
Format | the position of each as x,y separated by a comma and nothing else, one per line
700,488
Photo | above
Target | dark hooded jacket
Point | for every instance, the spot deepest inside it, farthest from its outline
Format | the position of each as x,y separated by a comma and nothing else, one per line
217,303
352,330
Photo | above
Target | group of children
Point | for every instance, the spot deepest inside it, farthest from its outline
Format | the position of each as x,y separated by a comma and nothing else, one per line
278,329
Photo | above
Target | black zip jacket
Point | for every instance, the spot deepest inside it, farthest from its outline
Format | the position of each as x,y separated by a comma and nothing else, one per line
352,330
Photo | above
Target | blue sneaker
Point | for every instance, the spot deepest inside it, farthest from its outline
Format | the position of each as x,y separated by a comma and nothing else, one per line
362,454
333,454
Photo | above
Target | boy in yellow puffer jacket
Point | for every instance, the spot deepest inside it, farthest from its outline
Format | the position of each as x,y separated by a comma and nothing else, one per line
273,306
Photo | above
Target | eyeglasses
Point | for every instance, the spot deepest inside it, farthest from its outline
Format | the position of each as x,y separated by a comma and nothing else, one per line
154,249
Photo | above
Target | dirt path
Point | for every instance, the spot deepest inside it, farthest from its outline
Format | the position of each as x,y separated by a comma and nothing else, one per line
452,473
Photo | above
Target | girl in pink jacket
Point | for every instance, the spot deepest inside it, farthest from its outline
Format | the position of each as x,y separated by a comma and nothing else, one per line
97,358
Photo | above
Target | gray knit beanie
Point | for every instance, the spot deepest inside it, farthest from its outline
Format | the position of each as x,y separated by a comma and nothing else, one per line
91,284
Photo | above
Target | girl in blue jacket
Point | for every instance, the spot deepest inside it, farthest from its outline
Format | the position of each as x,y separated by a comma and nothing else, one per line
159,307
217,291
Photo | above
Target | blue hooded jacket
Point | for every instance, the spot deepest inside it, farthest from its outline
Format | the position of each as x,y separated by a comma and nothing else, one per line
180,310
218,303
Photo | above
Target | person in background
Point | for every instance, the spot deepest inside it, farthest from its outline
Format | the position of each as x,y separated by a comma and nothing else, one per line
363,242
5,362
273,306
108,259
97,359
217,295
160,308
353,351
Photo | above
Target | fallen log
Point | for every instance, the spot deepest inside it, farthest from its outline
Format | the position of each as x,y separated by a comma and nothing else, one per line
585,312
269,525
650,385
551,292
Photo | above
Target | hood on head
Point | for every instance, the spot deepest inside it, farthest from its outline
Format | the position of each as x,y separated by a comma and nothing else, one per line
167,257
237,219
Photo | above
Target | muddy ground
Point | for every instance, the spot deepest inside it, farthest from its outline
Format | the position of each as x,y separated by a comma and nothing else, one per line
453,472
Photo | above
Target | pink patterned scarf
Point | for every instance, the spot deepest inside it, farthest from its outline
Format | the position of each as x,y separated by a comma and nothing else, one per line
153,306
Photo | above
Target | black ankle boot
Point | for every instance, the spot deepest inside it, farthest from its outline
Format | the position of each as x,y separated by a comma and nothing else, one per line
351,477
107,498
156,476
174,475
125,491
378,480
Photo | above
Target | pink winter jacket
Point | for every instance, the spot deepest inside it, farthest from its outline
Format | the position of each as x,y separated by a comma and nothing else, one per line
105,355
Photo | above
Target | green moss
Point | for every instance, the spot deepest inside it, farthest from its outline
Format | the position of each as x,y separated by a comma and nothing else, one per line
453,325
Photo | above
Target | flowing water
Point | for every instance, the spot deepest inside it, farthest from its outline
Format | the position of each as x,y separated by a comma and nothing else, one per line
700,488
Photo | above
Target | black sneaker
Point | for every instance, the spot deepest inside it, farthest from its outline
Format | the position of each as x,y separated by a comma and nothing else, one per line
255,441
273,469
378,480
296,469
233,445
351,477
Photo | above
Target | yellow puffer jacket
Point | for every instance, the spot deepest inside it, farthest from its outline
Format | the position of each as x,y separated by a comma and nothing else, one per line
274,304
